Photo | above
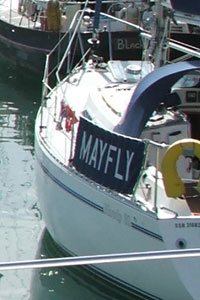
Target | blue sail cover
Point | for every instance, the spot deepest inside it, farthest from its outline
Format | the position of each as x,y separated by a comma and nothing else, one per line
186,6
149,93
109,159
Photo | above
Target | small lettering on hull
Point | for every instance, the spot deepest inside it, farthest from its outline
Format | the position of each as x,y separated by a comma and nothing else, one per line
187,225
115,214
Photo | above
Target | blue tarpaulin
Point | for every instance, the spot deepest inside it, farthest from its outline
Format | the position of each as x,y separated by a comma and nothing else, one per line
186,6
149,93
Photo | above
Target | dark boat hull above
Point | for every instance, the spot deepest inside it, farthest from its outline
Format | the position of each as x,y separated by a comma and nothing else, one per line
28,47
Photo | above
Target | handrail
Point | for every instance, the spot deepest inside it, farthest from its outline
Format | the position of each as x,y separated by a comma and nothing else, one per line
99,259
71,40
177,45
45,86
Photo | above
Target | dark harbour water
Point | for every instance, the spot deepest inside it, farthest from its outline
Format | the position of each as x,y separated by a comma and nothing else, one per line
22,231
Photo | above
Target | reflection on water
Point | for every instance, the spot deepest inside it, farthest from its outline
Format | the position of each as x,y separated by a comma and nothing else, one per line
69,282
20,218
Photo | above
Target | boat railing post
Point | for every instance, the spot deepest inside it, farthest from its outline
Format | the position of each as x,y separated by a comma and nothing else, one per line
10,13
45,81
72,142
156,177
110,39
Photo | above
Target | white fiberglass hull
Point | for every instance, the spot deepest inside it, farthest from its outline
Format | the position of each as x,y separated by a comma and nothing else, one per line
85,220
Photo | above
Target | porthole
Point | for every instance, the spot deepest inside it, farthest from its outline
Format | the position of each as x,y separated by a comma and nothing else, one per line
181,244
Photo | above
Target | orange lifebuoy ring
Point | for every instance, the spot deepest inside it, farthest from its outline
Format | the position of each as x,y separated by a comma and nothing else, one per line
174,186
70,118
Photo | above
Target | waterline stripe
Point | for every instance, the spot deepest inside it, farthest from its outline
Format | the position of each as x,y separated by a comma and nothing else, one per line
146,231
72,192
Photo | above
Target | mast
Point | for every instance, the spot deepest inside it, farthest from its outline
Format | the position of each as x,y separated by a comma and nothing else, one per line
95,37
157,51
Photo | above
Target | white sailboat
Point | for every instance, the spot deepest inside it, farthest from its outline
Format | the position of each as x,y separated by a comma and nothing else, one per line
106,173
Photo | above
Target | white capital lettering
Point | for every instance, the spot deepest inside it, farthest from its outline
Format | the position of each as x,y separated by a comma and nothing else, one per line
102,150
117,175
85,148
93,157
109,158
129,159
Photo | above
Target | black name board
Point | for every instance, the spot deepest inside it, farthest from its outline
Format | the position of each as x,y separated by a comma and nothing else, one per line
110,159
